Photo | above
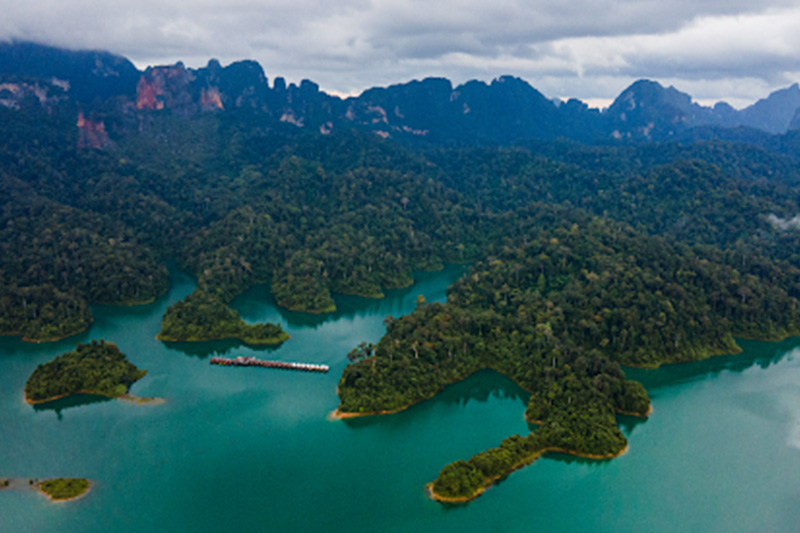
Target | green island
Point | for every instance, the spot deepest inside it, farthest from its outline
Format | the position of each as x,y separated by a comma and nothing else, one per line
202,317
558,313
64,489
94,368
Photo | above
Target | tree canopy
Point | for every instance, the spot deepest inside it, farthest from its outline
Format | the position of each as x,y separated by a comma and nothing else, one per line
94,368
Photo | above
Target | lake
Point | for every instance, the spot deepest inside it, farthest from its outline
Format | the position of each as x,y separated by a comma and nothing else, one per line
248,449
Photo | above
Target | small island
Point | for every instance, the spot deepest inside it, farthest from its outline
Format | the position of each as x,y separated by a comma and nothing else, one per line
203,317
64,489
95,368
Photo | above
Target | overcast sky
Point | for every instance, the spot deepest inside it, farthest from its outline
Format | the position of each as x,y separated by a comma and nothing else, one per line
732,50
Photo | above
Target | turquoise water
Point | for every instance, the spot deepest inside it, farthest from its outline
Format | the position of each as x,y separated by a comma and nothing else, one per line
252,450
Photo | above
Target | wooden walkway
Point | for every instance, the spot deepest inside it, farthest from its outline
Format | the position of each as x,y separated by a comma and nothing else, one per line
252,361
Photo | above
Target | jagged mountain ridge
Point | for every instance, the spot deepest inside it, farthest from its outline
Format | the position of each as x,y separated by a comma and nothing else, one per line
431,110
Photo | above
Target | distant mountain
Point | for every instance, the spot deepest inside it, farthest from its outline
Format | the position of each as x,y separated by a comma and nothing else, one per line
648,110
775,113
87,74
504,111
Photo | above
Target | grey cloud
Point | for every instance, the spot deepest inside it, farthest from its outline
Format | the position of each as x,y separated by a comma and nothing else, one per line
508,22
582,48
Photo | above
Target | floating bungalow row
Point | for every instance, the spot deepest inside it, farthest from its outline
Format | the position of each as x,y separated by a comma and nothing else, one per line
252,361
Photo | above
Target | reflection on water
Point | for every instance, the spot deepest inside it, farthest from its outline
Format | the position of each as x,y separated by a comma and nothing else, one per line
483,385
478,387
258,301
259,443
754,353
628,423
574,459
76,400
206,349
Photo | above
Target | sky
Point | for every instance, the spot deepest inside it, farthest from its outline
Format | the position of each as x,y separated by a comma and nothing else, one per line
732,50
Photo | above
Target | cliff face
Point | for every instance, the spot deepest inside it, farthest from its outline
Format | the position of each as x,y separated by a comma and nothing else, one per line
14,94
111,90
211,88
92,133
165,88
211,99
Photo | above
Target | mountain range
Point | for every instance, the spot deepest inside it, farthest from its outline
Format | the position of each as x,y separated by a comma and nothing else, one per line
101,86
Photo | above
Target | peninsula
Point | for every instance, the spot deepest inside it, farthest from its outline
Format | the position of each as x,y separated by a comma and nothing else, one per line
558,313
94,368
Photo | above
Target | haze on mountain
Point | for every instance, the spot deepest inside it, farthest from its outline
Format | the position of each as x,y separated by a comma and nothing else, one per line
432,110
734,51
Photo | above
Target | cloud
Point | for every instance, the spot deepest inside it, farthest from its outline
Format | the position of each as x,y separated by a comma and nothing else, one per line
783,224
583,48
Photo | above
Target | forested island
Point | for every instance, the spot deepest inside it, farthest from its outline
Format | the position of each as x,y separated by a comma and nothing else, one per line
95,368
56,490
202,317
64,489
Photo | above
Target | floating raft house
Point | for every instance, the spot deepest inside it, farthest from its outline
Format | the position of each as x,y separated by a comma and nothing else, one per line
252,361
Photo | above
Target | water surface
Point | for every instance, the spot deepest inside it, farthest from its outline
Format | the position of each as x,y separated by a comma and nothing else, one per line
252,450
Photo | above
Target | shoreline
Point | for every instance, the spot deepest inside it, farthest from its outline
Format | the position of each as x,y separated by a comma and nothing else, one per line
48,339
338,415
491,482
711,355
372,296
130,398
38,489
271,341
327,310
32,484
142,400
133,303
637,415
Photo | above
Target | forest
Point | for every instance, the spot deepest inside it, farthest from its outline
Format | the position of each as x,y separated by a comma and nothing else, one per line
584,258
93,368
559,312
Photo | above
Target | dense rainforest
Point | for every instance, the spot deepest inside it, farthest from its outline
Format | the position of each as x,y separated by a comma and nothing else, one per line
95,368
558,309
585,257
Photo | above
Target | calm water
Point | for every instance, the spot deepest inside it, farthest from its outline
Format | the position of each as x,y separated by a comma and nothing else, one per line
251,449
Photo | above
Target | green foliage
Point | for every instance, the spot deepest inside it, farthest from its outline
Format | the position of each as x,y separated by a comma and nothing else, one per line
563,302
42,312
459,479
98,368
64,488
202,316
587,256
54,260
